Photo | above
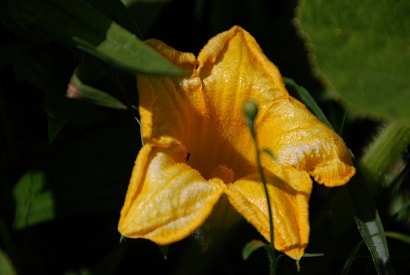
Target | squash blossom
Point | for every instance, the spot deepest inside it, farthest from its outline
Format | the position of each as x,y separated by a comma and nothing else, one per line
198,148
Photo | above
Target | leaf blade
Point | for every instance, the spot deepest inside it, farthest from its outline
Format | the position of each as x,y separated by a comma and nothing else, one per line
369,224
80,90
33,203
361,57
78,23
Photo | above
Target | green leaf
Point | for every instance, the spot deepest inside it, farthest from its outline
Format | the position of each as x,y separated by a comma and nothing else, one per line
251,247
369,224
361,50
34,204
80,24
79,90
6,266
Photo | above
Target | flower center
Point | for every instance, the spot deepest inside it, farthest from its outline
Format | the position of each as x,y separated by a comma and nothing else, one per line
222,172
220,162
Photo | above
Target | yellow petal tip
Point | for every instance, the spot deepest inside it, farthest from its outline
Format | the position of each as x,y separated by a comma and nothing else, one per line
333,173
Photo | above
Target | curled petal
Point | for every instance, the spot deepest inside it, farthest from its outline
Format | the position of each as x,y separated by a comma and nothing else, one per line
298,138
166,200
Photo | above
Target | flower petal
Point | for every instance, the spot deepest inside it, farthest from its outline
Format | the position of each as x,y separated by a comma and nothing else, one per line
171,106
289,192
166,199
298,138
234,69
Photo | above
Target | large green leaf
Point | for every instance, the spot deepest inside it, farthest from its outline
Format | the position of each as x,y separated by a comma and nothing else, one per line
362,49
80,24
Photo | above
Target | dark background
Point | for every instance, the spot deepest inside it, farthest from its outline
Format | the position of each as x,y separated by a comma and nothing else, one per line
88,160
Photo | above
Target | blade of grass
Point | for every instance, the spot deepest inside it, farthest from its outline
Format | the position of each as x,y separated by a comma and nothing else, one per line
352,257
405,238
369,224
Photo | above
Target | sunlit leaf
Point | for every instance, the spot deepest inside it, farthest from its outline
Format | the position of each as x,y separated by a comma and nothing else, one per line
361,49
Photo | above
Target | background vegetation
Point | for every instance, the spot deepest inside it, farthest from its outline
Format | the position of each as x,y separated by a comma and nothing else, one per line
67,150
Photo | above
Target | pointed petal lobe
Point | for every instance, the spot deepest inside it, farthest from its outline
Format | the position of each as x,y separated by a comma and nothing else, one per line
166,200
289,191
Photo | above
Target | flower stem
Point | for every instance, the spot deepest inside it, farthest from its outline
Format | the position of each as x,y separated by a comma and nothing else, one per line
384,152
251,110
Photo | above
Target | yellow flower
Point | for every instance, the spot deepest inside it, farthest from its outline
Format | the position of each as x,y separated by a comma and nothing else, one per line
198,148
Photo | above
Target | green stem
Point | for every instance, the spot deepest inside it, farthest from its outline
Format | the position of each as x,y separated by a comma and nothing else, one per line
273,260
265,186
251,110
384,152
